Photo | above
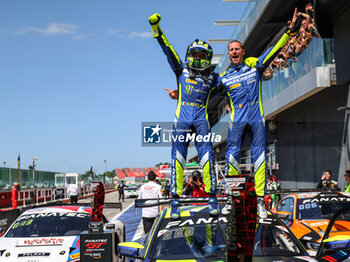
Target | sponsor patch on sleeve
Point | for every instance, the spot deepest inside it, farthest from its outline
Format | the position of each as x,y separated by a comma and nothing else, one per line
235,85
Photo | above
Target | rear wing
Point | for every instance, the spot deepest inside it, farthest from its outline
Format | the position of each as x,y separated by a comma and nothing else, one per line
141,203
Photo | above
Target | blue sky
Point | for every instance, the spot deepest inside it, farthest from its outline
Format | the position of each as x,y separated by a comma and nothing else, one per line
77,78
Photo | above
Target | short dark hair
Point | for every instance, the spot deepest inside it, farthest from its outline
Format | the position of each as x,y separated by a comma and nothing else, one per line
151,176
347,173
235,41
329,171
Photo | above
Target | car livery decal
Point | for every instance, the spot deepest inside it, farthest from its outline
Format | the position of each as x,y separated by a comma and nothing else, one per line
153,236
338,256
196,221
327,199
53,214
34,254
74,255
53,241
75,209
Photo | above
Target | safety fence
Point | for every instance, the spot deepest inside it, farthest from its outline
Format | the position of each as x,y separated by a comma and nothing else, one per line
30,197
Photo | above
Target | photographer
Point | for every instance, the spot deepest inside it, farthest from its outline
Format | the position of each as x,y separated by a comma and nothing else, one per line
326,183
197,185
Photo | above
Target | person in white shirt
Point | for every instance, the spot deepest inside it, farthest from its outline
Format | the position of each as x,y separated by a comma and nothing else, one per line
147,191
73,192
82,186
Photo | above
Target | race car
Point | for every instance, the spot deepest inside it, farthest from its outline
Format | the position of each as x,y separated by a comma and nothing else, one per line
197,236
308,215
132,191
50,234
336,247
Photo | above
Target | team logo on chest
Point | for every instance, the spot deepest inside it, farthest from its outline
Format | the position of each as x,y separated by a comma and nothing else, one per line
191,81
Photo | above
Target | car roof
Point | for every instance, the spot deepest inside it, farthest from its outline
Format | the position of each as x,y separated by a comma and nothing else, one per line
319,194
59,209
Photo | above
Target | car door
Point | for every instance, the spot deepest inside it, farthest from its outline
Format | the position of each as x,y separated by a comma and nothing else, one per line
287,205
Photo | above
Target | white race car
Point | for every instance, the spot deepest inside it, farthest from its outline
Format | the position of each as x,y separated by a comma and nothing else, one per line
131,191
50,234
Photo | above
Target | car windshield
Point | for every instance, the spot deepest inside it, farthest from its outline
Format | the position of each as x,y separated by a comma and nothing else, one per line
132,188
188,242
318,210
203,238
49,224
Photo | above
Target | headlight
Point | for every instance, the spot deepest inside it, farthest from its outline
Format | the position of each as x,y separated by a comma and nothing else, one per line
313,245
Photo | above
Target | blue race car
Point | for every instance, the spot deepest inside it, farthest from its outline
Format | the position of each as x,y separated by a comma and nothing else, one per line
197,236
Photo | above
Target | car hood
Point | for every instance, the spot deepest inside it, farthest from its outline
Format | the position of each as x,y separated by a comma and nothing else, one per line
320,226
40,248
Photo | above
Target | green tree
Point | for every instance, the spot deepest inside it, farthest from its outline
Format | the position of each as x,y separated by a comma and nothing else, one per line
161,163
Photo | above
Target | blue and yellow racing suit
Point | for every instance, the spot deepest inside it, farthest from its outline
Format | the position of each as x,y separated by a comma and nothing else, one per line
194,88
243,86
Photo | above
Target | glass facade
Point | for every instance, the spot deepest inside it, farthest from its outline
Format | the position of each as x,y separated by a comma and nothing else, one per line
320,52
9,176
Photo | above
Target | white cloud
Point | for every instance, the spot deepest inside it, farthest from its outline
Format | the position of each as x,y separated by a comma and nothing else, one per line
53,29
111,31
126,34
79,37
140,34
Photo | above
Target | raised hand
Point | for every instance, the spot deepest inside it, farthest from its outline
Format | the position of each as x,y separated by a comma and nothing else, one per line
295,24
172,93
154,21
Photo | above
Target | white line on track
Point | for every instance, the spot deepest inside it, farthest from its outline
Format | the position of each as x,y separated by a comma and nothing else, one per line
139,232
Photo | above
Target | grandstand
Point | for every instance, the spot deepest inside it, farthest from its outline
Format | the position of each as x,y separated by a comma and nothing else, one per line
123,173
120,173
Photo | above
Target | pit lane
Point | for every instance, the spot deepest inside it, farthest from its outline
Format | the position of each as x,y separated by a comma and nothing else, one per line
128,215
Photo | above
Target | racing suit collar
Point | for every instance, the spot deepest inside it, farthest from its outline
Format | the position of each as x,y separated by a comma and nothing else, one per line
236,67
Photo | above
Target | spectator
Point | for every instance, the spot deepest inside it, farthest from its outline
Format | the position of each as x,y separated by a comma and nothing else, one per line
14,195
121,188
271,200
296,44
150,190
347,179
82,187
167,190
326,183
73,192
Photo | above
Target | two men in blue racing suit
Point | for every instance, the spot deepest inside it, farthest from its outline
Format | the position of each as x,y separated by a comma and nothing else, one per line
195,82
243,86
242,82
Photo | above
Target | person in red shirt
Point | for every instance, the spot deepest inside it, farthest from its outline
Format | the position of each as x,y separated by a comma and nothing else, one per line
14,195
197,187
